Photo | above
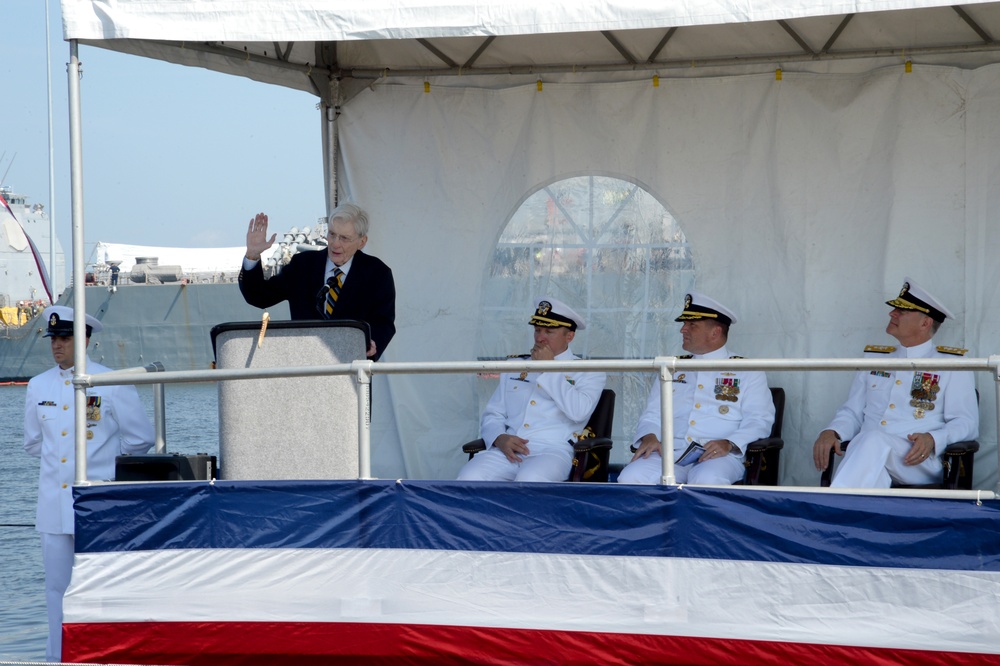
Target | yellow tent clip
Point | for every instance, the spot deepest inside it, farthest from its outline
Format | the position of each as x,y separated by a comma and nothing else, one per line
427,86
909,66
656,80
777,74
539,85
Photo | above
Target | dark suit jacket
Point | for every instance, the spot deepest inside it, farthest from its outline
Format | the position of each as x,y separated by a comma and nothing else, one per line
369,293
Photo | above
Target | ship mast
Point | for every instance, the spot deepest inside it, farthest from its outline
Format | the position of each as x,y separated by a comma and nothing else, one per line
52,177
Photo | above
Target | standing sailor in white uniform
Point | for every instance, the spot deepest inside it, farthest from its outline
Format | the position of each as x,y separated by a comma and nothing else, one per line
723,411
116,423
533,417
899,423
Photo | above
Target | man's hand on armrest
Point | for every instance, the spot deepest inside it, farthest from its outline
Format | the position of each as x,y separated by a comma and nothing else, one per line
828,439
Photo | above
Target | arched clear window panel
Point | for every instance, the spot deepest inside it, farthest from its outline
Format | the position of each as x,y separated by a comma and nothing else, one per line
610,250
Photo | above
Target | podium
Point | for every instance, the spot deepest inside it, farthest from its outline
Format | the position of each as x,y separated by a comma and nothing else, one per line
289,427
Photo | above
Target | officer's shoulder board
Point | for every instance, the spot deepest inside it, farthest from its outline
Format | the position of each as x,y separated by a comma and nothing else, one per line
518,355
880,349
957,351
735,357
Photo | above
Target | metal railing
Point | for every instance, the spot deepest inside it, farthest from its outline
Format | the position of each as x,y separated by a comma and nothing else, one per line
664,366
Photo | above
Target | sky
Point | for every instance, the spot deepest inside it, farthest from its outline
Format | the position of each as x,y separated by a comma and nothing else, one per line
172,156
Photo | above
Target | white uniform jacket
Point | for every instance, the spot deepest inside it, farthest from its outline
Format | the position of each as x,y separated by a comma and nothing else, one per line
116,423
543,408
942,404
713,405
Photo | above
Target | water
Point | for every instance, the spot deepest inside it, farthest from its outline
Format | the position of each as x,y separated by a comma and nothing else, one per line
192,427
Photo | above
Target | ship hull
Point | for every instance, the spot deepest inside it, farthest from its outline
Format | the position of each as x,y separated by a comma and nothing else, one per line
169,323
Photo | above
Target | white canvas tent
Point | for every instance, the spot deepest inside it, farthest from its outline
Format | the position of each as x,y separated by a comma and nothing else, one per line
813,153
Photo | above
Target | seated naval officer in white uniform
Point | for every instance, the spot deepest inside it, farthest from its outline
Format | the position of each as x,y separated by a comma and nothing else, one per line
116,423
722,411
532,418
899,423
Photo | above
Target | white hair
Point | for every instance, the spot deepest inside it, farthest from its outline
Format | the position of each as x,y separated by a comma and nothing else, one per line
353,214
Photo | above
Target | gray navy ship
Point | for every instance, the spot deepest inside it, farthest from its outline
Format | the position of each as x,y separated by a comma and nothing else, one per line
162,306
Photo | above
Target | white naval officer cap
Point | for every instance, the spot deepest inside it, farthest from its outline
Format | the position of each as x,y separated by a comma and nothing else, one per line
60,322
700,306
551,313
914,297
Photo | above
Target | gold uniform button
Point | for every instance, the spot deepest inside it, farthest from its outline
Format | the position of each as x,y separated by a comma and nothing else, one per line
63,460
697,405
65,407
689,439
892,406
692,422
899,381
701,386
67,382
526,425
64,485
532,402
63,433
883,422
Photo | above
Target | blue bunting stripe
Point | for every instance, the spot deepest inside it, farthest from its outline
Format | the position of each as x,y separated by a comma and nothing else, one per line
585,519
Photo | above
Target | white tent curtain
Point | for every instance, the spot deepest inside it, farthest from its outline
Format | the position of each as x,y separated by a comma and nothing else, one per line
805,200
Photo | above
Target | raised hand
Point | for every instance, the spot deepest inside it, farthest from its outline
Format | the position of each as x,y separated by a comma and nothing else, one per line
257,240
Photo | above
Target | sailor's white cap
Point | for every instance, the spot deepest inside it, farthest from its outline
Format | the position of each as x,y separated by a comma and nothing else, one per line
60,322
700,306
552,313
914,297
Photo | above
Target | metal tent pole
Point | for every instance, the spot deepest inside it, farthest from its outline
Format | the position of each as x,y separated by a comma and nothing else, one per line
79,295
330,114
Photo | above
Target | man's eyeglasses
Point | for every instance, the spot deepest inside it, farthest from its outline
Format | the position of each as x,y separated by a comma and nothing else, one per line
344,240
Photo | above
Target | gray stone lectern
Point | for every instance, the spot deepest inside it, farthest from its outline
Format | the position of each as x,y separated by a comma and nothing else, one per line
289,427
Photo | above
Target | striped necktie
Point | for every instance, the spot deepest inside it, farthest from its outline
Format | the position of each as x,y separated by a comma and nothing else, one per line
334,285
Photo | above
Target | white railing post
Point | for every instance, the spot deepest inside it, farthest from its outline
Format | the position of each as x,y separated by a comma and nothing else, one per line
666,379
364,377
994,362
160,418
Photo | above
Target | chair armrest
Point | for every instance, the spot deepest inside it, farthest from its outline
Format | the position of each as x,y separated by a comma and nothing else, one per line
765,444
474,447
592,444
957,462
827,476
961,448
760,459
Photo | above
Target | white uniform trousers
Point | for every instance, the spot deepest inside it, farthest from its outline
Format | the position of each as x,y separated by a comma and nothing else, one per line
57,557
715,472
875,459
551,463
